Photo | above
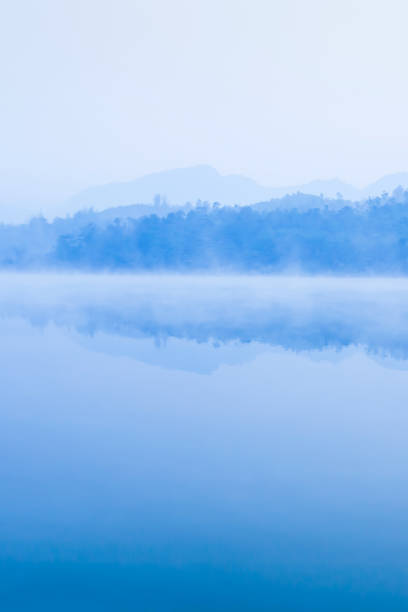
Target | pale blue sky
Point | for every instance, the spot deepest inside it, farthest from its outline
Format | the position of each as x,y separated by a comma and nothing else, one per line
283,91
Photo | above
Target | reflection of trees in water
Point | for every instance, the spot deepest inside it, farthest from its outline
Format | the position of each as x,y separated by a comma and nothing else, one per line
296,313
313,333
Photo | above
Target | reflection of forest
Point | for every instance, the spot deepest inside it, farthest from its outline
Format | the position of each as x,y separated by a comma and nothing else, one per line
296,313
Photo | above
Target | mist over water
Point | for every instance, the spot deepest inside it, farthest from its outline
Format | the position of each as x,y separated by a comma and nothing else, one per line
203,443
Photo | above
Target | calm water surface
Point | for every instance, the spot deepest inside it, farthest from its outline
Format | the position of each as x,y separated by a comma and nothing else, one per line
186,443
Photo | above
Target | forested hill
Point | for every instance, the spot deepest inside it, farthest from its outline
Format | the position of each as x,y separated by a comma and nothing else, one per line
332,237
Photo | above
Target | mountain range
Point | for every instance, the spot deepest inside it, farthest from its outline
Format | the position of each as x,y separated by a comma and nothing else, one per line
23,199
176,187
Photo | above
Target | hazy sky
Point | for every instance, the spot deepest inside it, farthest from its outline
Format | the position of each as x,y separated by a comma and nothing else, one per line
284,91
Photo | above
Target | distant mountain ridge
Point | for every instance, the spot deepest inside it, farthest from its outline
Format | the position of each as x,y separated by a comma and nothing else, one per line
176,187
387,184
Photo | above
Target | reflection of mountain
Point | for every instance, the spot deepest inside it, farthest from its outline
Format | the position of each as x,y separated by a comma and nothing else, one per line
294,313
173,353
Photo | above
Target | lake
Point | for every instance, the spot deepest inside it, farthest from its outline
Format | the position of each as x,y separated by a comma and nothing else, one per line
203,443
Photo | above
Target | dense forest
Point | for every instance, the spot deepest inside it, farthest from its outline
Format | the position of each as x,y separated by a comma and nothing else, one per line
297,233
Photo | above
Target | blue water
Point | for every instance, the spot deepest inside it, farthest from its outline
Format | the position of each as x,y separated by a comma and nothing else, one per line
203,443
